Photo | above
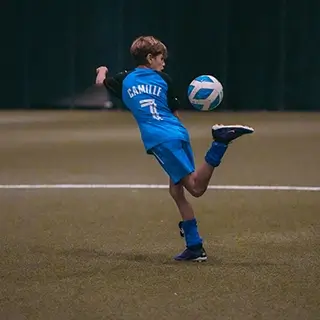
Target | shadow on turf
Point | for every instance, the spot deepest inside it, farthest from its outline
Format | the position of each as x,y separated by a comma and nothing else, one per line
156,258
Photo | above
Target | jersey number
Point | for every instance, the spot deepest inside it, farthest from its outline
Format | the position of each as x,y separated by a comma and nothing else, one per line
153,107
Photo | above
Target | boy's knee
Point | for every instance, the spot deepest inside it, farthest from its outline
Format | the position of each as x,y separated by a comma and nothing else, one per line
197,193
176,192
191,185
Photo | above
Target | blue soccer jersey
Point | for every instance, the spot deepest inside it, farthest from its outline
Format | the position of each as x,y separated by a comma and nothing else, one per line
148,94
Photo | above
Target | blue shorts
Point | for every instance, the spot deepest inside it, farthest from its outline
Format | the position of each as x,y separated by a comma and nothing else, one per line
176,158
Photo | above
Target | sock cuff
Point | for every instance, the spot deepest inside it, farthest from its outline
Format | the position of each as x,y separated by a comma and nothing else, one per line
187,224
215,153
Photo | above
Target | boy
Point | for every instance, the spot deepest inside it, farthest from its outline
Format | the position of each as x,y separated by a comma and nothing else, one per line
149,95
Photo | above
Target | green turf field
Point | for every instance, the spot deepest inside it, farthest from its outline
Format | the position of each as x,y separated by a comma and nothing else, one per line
107,253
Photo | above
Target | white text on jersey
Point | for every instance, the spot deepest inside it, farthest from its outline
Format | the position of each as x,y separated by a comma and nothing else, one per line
144,88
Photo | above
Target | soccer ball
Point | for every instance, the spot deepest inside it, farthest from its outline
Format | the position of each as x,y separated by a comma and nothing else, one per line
205,93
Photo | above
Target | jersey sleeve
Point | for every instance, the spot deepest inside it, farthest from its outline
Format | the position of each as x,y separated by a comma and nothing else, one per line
114,84
173,100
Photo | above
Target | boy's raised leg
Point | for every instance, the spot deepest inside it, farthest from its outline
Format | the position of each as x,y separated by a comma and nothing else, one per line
197,182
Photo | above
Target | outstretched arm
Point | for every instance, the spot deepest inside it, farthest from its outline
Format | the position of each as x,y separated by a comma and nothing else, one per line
101,75
113,84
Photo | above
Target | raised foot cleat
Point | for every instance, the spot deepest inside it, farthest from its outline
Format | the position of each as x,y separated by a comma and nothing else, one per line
226,134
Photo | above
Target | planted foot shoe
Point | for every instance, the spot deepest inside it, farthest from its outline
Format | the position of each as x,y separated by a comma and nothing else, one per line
194,253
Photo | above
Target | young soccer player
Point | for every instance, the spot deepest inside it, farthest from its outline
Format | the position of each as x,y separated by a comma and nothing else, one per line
148,93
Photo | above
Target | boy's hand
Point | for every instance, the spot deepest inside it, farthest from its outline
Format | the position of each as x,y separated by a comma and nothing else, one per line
101,74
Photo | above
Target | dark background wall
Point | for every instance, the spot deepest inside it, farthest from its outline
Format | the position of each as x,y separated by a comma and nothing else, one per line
266,53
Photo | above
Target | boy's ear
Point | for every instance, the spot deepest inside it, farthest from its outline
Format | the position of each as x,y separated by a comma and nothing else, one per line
149,57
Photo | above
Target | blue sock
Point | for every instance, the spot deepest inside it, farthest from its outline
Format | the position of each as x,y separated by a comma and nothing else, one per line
215,153
191,234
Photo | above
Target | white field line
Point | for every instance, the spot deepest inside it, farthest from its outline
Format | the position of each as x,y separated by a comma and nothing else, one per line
153,186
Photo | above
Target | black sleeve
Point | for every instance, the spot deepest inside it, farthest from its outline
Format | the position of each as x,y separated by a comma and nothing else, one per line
114,84
173,100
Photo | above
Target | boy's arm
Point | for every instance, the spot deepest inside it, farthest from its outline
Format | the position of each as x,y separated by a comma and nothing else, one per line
176,113
172,97
101,75
113,84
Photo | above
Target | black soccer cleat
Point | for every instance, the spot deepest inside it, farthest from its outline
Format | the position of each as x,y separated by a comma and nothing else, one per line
226,134
194,253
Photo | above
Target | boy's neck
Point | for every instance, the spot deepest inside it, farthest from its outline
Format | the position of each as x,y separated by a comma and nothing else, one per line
143,66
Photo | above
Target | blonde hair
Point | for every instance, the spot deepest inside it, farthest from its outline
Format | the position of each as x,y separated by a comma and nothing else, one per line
145,45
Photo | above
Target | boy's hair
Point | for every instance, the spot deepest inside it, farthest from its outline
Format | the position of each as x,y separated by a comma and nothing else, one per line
144,45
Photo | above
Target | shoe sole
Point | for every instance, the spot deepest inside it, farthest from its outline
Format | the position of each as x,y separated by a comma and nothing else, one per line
237,126
199,259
